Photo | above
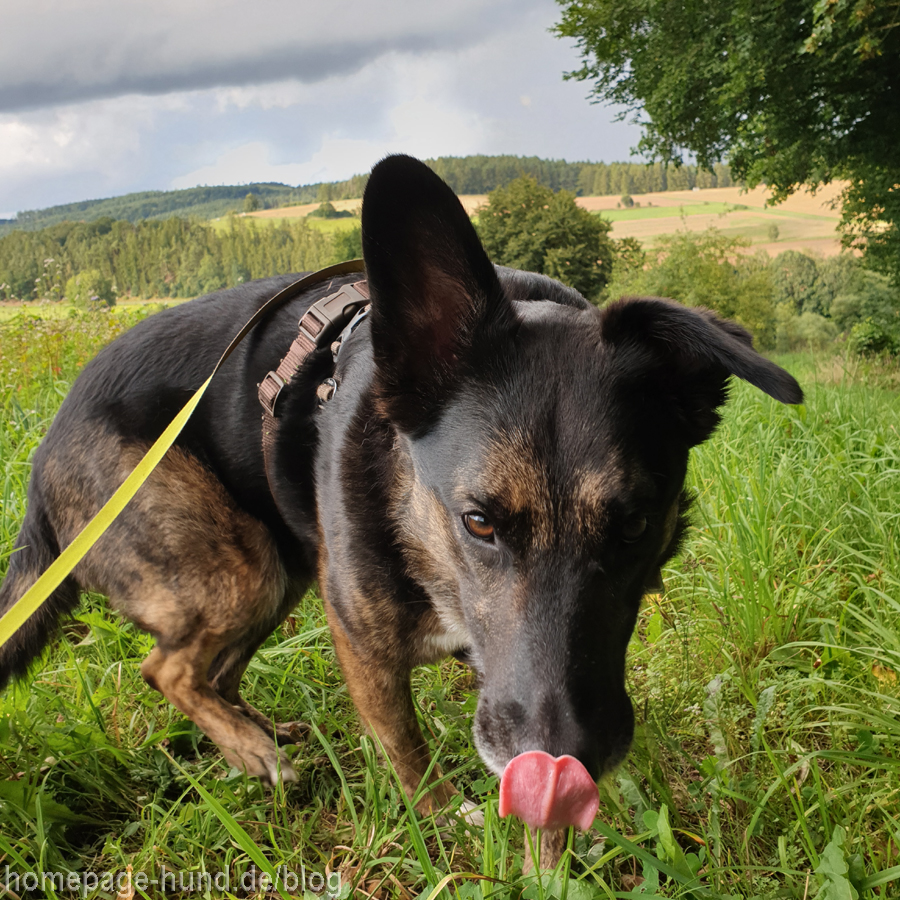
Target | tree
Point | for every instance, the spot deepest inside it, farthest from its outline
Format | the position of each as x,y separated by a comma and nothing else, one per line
251,203
527,226
795,92
795,279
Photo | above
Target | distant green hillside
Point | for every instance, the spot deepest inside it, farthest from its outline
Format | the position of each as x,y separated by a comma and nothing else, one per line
199,202
466,175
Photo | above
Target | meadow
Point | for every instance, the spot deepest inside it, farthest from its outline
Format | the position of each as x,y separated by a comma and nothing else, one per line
764,680
806,222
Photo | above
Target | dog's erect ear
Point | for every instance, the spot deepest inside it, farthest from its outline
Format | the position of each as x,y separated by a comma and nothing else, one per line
433,288
698,351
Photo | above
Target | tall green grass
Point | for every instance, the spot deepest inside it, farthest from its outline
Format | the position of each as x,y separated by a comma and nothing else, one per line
765,682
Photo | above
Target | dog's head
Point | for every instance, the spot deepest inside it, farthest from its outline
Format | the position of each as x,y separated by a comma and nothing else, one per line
545,445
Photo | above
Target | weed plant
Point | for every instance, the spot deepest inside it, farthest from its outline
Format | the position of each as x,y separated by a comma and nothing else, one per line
765,682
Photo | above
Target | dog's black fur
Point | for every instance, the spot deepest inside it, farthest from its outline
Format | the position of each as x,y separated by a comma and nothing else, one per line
499,475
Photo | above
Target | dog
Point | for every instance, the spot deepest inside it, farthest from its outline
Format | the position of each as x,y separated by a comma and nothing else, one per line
499,474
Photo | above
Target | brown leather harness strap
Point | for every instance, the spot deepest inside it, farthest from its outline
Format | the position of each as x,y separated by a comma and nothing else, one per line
319,325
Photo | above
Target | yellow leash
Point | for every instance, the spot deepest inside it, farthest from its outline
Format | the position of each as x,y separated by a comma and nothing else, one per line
30,601
50,580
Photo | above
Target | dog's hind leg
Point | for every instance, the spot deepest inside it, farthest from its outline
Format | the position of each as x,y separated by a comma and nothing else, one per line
181,676
225,677
190,567
34,551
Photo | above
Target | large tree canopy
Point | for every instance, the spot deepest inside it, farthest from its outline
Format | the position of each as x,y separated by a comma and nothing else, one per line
792,92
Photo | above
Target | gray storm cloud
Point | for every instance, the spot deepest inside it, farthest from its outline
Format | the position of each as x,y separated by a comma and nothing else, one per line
55,52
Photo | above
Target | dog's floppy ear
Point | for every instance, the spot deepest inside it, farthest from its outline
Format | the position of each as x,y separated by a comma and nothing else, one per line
433,289
696,351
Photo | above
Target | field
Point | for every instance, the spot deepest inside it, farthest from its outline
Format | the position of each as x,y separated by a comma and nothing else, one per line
764,680
40,310
276,216
805,221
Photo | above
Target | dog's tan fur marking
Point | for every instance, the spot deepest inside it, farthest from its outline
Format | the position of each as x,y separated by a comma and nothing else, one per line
515,475
590,496
380,688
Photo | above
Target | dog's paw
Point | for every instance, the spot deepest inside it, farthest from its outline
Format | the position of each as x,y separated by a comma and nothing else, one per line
269,765
291,732
467,813
471,813
552,847
287,770
283,732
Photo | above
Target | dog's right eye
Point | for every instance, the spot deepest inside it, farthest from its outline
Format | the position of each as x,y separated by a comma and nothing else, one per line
633,529
478,526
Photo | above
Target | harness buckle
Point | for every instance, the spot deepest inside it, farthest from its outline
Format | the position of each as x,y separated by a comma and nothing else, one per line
269,390
325,315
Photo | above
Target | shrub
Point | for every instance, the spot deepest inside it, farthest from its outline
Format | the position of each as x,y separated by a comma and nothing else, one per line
868,296
326,210
868,338
808,331
89,288
795,279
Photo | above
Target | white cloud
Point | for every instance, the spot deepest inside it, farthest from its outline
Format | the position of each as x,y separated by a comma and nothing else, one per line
54,51
498,91
420,117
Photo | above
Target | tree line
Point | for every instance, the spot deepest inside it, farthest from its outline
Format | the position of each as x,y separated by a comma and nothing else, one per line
206,202
483,174
792,301
173,257
465,174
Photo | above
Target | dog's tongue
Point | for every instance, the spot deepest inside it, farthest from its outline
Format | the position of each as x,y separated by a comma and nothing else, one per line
548,792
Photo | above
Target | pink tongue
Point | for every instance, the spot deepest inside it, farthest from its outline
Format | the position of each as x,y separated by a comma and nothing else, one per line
548,792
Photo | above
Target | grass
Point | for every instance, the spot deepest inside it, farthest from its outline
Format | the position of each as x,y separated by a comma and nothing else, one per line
765,682
664,212
65,310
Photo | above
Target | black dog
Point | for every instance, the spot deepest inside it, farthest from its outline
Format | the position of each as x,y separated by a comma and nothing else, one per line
498,475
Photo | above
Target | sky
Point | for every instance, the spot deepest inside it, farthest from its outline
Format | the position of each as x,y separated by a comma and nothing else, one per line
103,97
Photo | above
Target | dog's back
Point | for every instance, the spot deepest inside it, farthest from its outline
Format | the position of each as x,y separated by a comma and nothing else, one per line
119,405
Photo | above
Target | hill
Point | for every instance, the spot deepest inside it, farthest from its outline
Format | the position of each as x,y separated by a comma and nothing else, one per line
466,175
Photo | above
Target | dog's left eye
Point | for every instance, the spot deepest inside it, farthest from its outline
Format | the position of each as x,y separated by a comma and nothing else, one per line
634,528
478,526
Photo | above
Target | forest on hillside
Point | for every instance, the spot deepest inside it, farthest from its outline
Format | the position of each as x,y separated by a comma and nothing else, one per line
466,175
172,257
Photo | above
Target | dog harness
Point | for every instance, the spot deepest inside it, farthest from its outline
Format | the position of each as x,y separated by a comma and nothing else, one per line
336,313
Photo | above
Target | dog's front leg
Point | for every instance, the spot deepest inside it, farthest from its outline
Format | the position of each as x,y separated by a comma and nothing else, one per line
380,688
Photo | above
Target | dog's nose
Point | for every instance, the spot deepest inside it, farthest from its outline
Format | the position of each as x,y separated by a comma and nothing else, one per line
509,728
